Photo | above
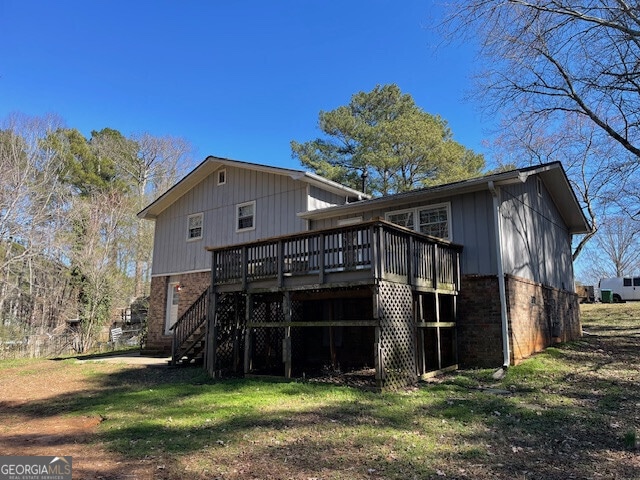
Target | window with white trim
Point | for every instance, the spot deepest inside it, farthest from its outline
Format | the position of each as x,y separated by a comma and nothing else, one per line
434,221
222,177
404,218
245,216
431,220
194,226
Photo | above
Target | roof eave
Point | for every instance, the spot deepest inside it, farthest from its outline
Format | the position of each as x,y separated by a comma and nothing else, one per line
560,189
467,186
212,163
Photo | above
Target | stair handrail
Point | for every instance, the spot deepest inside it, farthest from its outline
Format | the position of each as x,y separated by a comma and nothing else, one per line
192,319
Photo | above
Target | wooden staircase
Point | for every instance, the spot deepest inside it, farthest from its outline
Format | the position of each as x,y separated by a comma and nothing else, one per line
189,333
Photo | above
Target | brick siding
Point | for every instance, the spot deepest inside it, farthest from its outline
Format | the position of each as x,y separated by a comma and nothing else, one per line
539,316
191,287
479,322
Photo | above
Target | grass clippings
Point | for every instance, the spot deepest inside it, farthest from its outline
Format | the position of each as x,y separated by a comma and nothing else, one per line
571,412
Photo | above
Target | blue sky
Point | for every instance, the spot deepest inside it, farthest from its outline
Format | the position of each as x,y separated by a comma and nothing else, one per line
237,79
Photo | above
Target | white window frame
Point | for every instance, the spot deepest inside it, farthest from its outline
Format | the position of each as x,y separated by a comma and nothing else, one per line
224,175
190,227
416,215
400,212
254,216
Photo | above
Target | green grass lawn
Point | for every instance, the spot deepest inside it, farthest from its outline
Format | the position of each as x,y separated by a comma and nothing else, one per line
571,412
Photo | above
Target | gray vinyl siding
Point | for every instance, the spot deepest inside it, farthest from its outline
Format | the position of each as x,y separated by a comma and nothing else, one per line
278,201
537,243
471,226
319,198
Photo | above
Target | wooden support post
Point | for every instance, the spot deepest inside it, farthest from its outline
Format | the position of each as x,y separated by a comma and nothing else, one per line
236,336
373,251
457,282
286,342
211,346
248,357
378,353
423,357
379,252
410,260
329,314
378,358
438,341
455,329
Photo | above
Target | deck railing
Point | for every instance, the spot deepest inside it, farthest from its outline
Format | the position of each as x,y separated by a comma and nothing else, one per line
385,250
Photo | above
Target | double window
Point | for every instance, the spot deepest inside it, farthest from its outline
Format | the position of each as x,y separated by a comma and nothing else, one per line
432,220
194,226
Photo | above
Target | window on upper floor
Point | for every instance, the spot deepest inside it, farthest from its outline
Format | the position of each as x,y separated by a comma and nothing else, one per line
245,216
194,226
431,220
222,177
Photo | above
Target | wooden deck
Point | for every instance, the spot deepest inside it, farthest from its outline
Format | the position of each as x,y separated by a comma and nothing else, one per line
272,302
346,256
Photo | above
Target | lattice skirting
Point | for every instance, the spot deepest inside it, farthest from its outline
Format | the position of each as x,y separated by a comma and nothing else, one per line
229,333
396,346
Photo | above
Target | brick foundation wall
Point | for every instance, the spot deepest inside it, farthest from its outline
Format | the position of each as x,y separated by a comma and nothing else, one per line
155,319
539,316
192,285
479,322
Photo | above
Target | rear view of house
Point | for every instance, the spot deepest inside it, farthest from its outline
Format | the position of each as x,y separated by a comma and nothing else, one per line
301,274
222,202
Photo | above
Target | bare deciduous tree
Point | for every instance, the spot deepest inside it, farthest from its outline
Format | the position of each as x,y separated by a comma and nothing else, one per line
70,243
616,250
591,160
548,56
564,76
159,162
30,209
99,218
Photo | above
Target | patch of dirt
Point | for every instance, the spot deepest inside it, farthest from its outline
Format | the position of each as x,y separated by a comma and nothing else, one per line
364,378
59,435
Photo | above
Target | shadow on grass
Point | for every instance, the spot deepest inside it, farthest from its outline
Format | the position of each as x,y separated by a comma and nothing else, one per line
560,415
296,428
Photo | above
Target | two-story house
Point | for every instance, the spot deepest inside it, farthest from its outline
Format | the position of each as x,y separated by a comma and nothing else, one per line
275,270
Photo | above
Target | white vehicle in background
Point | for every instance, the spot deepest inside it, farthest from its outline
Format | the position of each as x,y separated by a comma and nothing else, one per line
621,288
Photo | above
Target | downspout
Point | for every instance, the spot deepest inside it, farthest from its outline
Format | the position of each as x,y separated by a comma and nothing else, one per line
506,350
